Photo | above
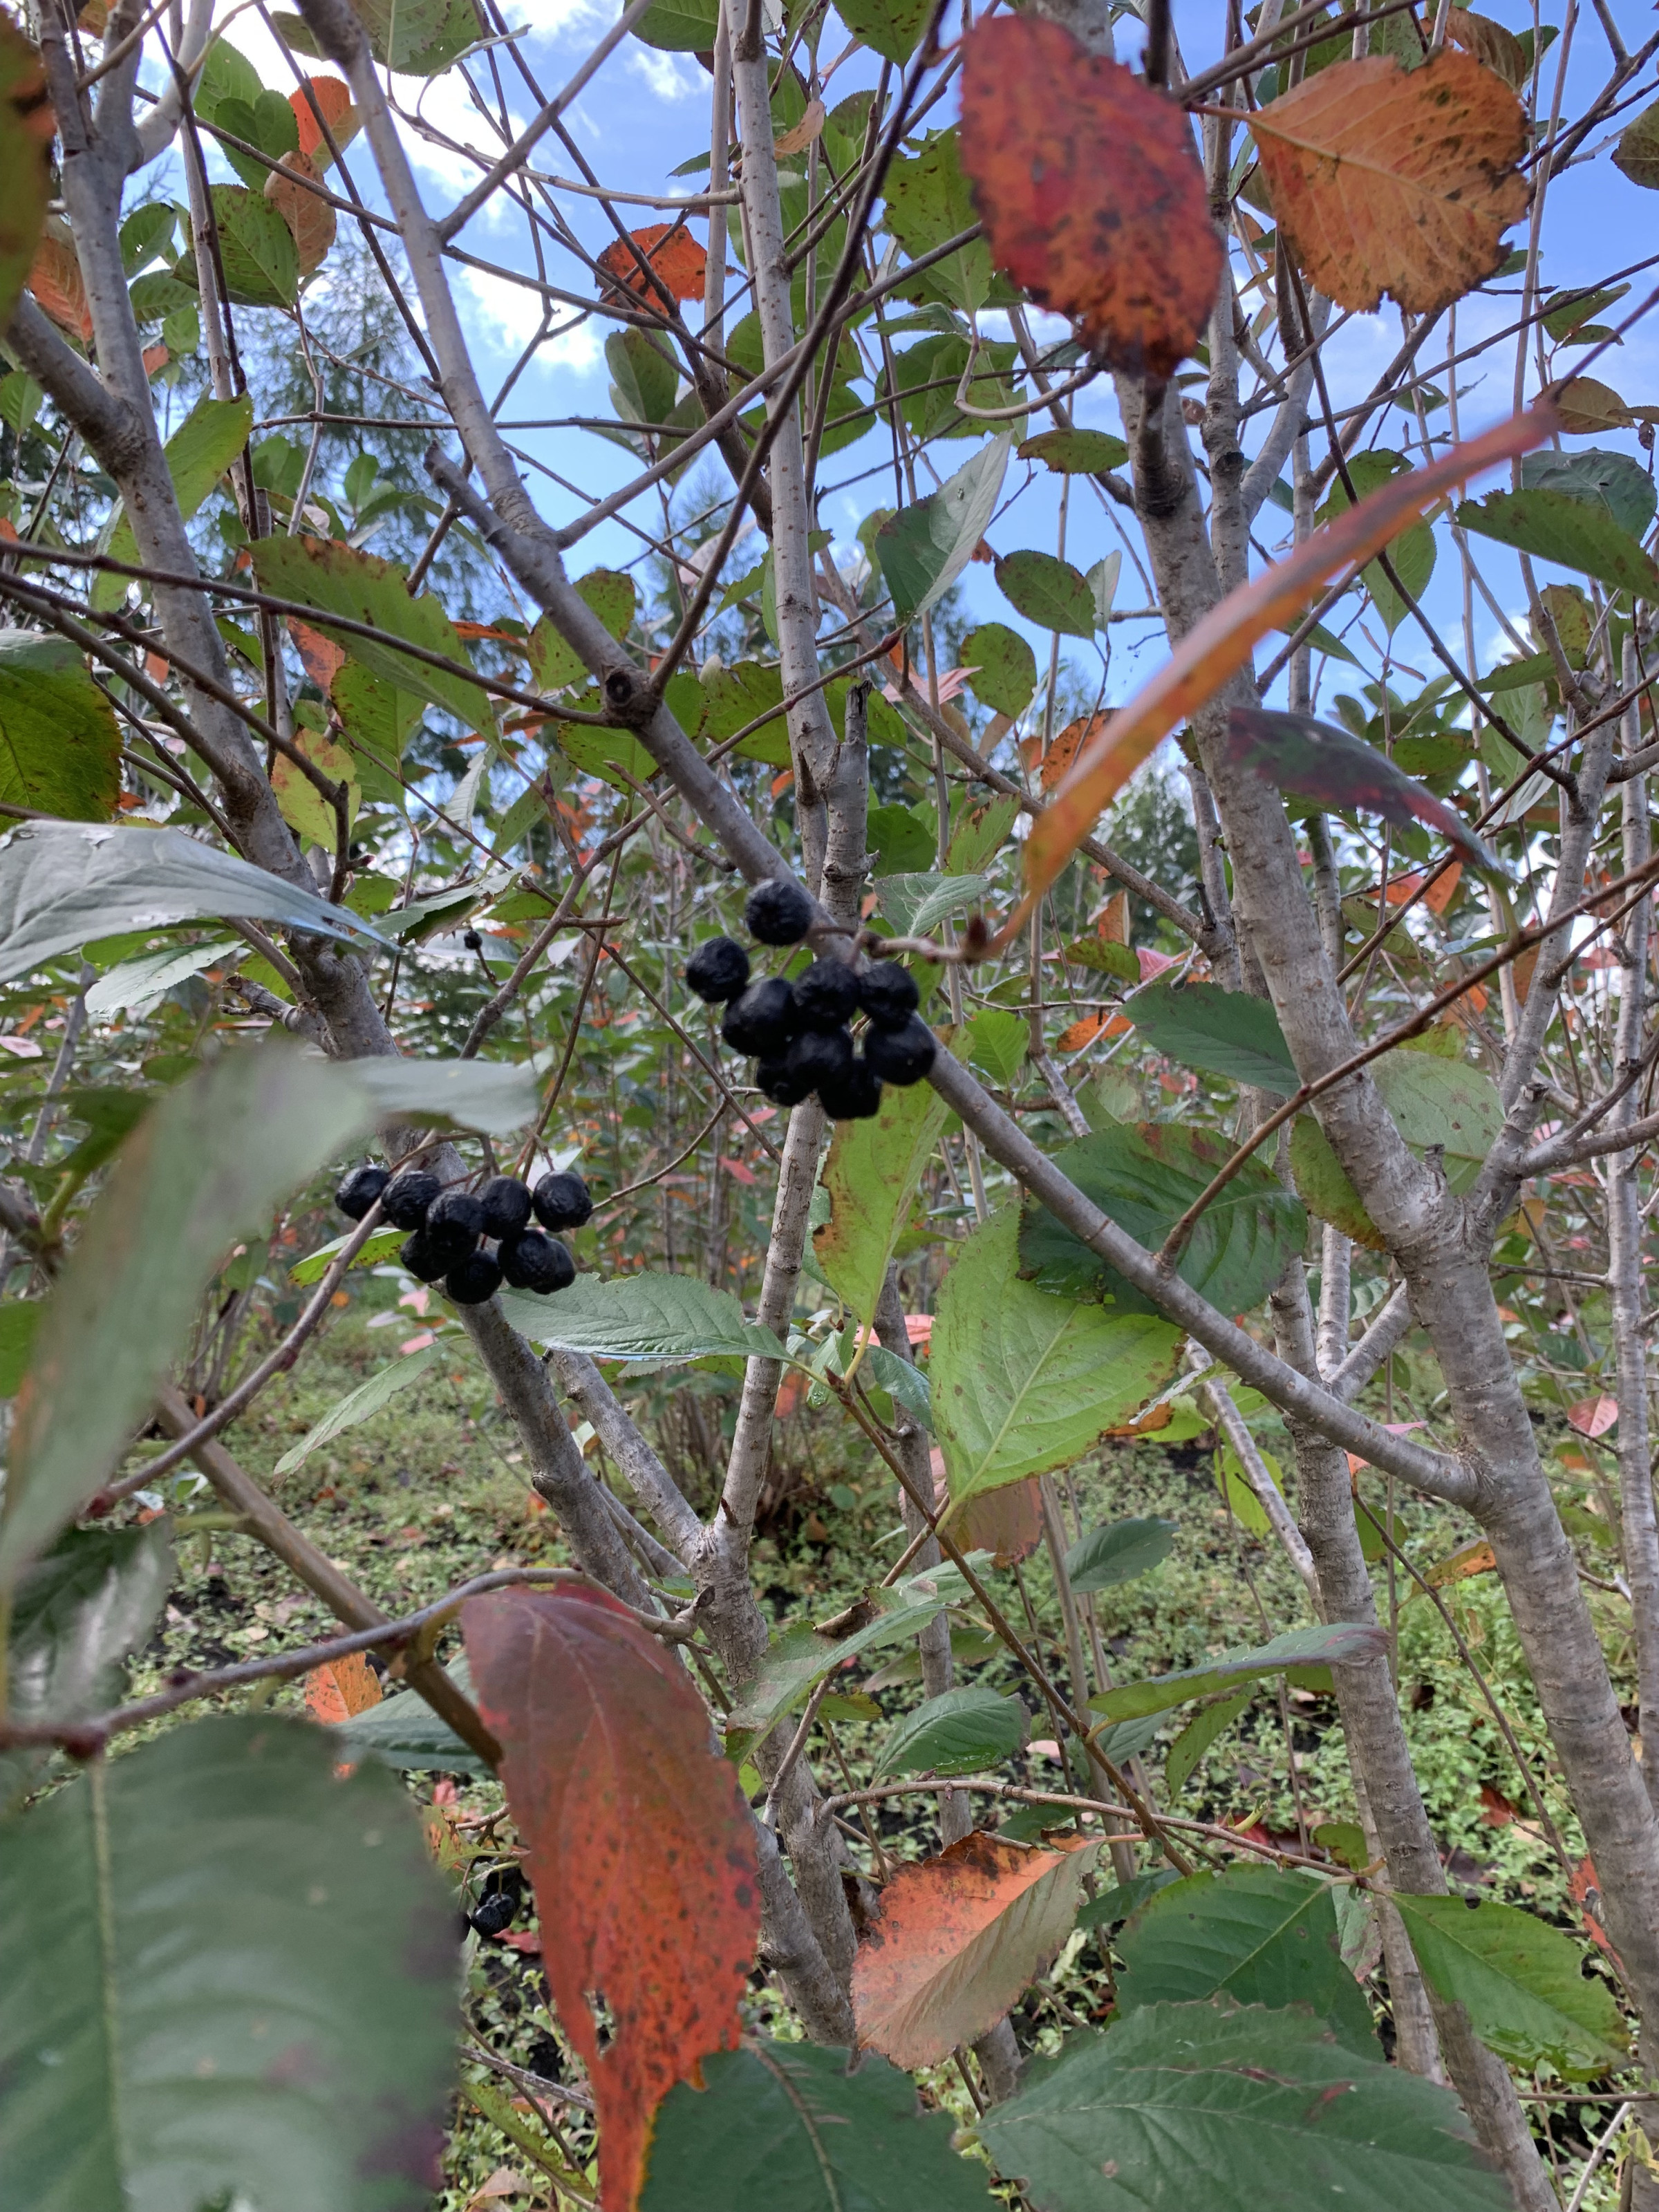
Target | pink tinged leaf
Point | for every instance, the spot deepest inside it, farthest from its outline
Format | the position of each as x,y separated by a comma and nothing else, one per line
1593,1417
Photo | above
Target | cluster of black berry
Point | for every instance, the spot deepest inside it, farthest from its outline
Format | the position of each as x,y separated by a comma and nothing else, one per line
797,1033
451,1228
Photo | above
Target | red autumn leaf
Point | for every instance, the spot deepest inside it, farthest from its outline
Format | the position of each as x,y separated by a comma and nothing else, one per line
674,255
310,217
1310,759
1090,191
59,286
640,1847
320,657
344,1687
1593,1417
1395,181
957,1940
334,99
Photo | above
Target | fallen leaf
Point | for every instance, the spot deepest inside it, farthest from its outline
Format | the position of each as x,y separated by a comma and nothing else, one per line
1215,646
1090,191
958,1939
1593,1417
344,1687
674,255
641,1848
1395,181
309,218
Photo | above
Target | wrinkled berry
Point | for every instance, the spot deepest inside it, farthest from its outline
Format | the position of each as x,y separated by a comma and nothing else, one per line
827,994
418,1256
506,1205
359,1190
888,995
538,1263
819,1056
472,941
774,1079
763,1021
779,911
718,970
404,1201
478,1277
492,1916
852,1097
901,1056
561,1201
455,1223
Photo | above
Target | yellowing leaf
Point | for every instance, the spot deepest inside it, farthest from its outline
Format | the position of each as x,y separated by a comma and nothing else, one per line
304,810
310,217
1388,181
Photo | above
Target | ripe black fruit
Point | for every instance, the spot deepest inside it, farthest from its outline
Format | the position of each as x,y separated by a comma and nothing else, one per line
718,970
455,1223
478,1277
901,1055
763,1021
775,1079
506,1203
888,995
417,1255
819,1056
538,1263
405,1199
359,1190
494,1914
561,1201
827,994
854,1097
779,911
472,941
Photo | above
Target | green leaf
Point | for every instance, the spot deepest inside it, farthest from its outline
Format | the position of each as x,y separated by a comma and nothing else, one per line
1222,1032
1004,668
1252,1934
604,753
1102,583
979,829
923,549
1145,1176
644,1316
1076,452
1207,1727
140,982
1637,154
381,1246
929,200
900,1379
1023,1382
24,163
1521,1981
792,2124
202,1169
261,261
1115,1906
799,1659
1611,480
1048,591
1323,1185
1118,1551
1104,958
917,904
1236,2109
404,1731
335,579
245,1987
495,1096
901,842
644,379
1412,553
996,1042
19,1319
870,1176
679,26
60,749
959,1732
738,695
419,38
267,122
197,454
226,73
359,1405
610,595
1555,527
76,1614
1433,1101
1343,1643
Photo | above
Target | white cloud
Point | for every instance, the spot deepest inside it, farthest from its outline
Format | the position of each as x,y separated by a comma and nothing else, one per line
668,76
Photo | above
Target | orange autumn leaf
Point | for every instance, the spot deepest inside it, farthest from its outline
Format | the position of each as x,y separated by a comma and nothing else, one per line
641,1848
1063,750
320,657
59,286
1087,183
958,1941
675,256
1215,646
334,99
343,1687
310,218
1395,181
1476,1558
1090,1026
